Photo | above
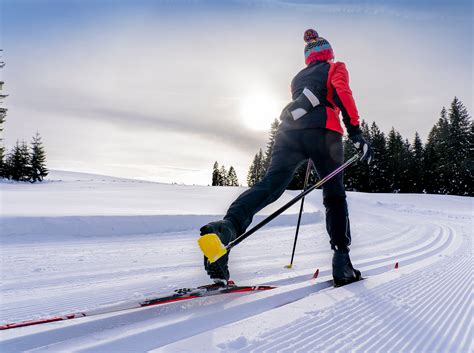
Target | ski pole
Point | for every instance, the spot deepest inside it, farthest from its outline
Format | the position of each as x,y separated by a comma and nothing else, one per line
306,179
212,246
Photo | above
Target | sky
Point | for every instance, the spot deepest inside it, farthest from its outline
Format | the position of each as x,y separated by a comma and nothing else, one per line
159,90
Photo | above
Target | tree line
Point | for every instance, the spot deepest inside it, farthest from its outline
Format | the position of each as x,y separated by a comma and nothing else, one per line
443,165
24,162
222,177
260,163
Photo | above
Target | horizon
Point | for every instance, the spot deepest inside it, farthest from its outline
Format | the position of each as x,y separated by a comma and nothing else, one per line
158,91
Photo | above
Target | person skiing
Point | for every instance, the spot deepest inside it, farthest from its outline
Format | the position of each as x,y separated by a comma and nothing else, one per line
310,128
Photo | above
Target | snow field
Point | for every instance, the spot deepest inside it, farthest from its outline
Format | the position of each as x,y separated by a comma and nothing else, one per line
424,306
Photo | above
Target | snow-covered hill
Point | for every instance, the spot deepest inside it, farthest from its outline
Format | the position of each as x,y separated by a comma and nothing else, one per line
80,242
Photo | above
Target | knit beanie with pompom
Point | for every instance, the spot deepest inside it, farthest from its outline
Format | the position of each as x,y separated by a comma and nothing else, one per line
317,48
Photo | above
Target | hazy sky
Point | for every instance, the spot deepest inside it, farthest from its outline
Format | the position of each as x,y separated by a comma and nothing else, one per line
161,89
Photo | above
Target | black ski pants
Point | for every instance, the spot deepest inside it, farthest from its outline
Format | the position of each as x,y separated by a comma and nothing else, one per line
291,148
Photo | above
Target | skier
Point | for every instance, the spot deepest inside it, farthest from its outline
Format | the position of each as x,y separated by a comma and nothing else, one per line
309,128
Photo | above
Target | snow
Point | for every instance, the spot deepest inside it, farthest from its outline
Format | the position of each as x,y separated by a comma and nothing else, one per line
82,242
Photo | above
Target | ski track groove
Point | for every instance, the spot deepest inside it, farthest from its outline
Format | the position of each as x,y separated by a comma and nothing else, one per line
74,302
362,338
463,330
394,254
464,319
401,292
342,311
360,313
307,258
428,279
360,316
413,324
466,331
432,243
23,312
298,328
394,291
135,337
298,342
105,273
412,251
428,332
436,317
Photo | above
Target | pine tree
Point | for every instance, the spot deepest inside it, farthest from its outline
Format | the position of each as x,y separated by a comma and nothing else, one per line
18,162
351,181
436,157
223,177
271,142
356,178
215,174
430,160
257,169
3,113
442,165
406,165
13,162
25,161
458,149
261,166
417,165
470,163
364,177
38,168
378,167
2,148
252,173
232,177
395,168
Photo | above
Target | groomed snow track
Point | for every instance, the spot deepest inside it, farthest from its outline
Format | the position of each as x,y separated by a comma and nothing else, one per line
423,306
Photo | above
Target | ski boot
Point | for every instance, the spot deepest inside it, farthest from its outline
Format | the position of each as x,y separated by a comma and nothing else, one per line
342,270
225,230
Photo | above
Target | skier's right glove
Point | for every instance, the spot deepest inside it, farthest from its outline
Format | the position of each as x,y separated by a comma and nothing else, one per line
363,147
303,104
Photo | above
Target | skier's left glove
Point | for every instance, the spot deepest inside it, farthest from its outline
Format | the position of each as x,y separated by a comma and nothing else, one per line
303,104
363,147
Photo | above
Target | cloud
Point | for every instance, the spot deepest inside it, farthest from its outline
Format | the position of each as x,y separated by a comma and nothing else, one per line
423,10
139,78
63,103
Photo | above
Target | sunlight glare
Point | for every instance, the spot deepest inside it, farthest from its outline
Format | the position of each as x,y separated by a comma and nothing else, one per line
259,110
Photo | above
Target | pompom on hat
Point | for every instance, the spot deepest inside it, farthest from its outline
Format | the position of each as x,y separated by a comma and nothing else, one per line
317,48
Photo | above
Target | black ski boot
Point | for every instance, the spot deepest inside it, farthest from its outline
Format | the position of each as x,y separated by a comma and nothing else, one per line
225,230
342,270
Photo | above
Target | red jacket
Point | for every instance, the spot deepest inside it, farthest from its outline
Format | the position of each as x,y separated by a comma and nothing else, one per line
330,83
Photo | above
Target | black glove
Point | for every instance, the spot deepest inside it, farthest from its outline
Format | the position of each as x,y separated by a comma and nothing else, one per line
363,147
303,104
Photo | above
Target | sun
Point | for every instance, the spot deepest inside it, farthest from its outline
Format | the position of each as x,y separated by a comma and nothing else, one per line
259,110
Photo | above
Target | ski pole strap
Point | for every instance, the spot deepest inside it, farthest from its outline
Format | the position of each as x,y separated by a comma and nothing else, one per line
283,208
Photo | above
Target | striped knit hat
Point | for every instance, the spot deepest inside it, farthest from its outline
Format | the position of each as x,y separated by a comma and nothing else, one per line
317,48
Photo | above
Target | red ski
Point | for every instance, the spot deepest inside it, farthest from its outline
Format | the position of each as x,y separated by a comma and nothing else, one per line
178,295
